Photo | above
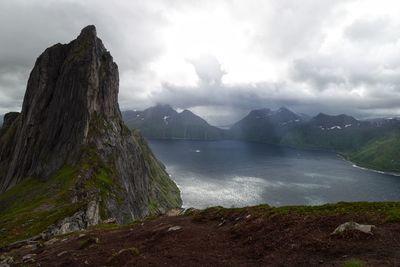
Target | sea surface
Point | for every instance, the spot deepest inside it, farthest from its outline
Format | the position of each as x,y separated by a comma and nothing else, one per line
235,174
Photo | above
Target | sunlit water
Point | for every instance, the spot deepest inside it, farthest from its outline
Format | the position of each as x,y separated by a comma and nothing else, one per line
234,173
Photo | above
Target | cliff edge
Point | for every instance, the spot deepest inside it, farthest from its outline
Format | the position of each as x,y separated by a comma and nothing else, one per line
70,148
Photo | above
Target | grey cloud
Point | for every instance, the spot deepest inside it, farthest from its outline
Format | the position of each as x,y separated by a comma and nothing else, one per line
291,32
322,76
320,73
208,69
372,29
290,26
246,97
29,27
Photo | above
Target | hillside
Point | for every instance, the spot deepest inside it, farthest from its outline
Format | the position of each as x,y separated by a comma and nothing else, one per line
342,140
67,161
252,236
379,154
367,143
370,144
162,121
341,133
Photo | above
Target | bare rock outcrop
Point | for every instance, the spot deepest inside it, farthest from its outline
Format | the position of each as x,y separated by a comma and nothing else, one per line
70,118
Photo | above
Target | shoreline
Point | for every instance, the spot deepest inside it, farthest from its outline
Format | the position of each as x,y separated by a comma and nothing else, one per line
366,168
373,170
343,157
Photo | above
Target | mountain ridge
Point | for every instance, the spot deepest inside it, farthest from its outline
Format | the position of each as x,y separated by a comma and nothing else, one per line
68,155
162,121
341,133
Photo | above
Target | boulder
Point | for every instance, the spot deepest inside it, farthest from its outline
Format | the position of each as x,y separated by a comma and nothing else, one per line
353,226
174,228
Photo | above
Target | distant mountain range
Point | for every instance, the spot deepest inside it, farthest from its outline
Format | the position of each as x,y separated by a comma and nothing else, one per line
370,143
366,142
162,121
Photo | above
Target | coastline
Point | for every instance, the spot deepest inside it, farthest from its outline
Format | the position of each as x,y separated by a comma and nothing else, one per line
366,168
342,156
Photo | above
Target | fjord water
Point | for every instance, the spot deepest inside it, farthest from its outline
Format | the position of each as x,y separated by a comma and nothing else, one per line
235,174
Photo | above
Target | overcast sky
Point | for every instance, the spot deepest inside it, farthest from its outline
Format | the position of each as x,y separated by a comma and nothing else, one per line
221,59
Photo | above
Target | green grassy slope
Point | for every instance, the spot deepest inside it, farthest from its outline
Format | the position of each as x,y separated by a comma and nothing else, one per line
344,141
373,148
30,207
380,154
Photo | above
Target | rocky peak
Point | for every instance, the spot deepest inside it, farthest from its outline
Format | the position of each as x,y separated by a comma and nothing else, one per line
89,32
71,117
259,112
162,109
159,111
188,117
333,120
280,115
285,115
70,87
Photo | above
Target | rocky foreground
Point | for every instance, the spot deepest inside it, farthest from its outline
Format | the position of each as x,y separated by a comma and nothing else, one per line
256,236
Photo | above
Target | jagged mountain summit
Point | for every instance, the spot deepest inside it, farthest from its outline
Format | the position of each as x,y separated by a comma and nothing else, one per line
71,127
331,122
162,121
265,125
341,133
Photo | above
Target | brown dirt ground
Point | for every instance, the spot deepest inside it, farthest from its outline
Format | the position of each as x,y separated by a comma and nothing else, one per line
226,239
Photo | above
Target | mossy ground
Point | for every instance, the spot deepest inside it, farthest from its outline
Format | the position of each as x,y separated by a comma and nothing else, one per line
382,211
30,207
353,263
249,236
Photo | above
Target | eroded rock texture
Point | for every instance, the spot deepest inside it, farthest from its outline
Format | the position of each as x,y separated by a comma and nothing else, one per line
70,117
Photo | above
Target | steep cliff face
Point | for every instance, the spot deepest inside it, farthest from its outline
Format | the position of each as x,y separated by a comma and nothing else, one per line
70,118
70,88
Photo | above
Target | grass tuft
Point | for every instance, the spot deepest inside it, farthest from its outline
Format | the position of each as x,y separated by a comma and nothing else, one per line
353,263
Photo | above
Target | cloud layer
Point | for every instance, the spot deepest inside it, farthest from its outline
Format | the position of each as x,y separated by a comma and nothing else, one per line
222,58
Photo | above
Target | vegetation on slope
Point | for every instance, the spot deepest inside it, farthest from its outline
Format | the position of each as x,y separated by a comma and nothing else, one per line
30,207
167,191
380,211
34,204
344,140
380,154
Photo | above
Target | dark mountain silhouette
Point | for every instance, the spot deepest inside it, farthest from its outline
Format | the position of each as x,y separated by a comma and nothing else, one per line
68,155
162,121
265,125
